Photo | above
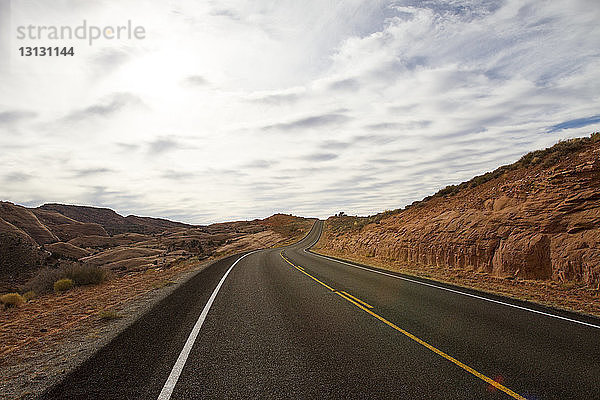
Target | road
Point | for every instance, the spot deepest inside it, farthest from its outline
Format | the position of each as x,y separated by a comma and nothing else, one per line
286,323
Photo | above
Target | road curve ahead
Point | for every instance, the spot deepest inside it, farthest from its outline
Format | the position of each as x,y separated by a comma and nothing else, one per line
286,323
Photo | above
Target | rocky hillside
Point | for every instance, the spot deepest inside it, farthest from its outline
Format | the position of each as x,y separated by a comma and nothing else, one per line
538,218
32,239
112,222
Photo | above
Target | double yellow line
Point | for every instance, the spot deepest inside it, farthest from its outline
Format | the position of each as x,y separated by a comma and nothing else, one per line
367,308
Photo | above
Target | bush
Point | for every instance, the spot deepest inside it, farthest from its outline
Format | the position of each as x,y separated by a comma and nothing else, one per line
62,285
109,315
162,284
85,274
43,282
12,300
30,295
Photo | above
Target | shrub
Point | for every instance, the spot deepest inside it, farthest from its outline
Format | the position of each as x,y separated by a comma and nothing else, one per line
85,274
30,295
43,282
162,284
109,314
12,300
62,285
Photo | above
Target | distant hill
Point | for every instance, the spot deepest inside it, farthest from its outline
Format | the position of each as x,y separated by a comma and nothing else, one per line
46,236
112,222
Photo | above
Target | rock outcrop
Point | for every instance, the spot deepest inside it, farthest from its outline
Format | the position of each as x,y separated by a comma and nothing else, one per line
538,221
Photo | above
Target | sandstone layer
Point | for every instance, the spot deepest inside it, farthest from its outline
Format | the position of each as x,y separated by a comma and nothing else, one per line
538,219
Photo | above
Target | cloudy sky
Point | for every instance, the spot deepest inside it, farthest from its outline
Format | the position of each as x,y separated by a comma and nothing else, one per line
238,109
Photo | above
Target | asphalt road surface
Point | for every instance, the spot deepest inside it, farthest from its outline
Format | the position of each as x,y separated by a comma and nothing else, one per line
286,323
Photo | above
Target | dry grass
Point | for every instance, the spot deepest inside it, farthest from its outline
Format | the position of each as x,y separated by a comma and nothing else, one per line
108,315
80,274
51,320
12,300
162,284
62,285
30,295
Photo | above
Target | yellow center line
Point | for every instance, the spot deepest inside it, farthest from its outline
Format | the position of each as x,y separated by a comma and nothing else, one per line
453,360
364,303
305,273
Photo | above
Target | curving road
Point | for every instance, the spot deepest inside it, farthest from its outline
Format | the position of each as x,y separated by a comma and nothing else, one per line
291,324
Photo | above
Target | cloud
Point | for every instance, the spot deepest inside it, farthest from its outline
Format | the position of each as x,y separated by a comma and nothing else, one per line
178,175
335,145
9,117
260,164
354,105
128,147
13,177
320,157
374,139
163,145
90,172
381,126
194,80
109,106
104,196
277,98
575,123
317,121
349,84
227,13
108,60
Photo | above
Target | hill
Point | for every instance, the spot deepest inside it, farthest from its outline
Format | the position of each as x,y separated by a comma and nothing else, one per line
538,218
112,222
34,239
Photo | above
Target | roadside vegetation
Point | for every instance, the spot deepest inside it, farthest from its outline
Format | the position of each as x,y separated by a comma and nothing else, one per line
108,315
47,280
12,300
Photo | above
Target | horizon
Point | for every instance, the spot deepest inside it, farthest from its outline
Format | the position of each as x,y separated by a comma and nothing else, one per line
237,111
259,217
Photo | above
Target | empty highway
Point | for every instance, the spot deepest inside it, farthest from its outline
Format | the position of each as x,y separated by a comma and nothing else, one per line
287,323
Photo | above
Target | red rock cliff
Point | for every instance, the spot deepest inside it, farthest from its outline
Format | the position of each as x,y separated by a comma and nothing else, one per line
537,219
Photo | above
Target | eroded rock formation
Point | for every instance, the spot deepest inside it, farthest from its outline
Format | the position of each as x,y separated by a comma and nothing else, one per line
535,222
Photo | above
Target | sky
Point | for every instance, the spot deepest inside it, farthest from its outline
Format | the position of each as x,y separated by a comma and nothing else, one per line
229,110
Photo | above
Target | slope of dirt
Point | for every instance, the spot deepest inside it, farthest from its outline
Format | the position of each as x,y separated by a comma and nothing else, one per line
19,256
66,251
10,229
536,219
155,225
95,241
25,220
119,254
262,239
66,228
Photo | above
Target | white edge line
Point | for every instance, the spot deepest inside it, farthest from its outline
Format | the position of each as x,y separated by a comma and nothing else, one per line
457,291
167,389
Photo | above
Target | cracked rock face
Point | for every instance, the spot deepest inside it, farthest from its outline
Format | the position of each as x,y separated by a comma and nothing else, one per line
536,222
